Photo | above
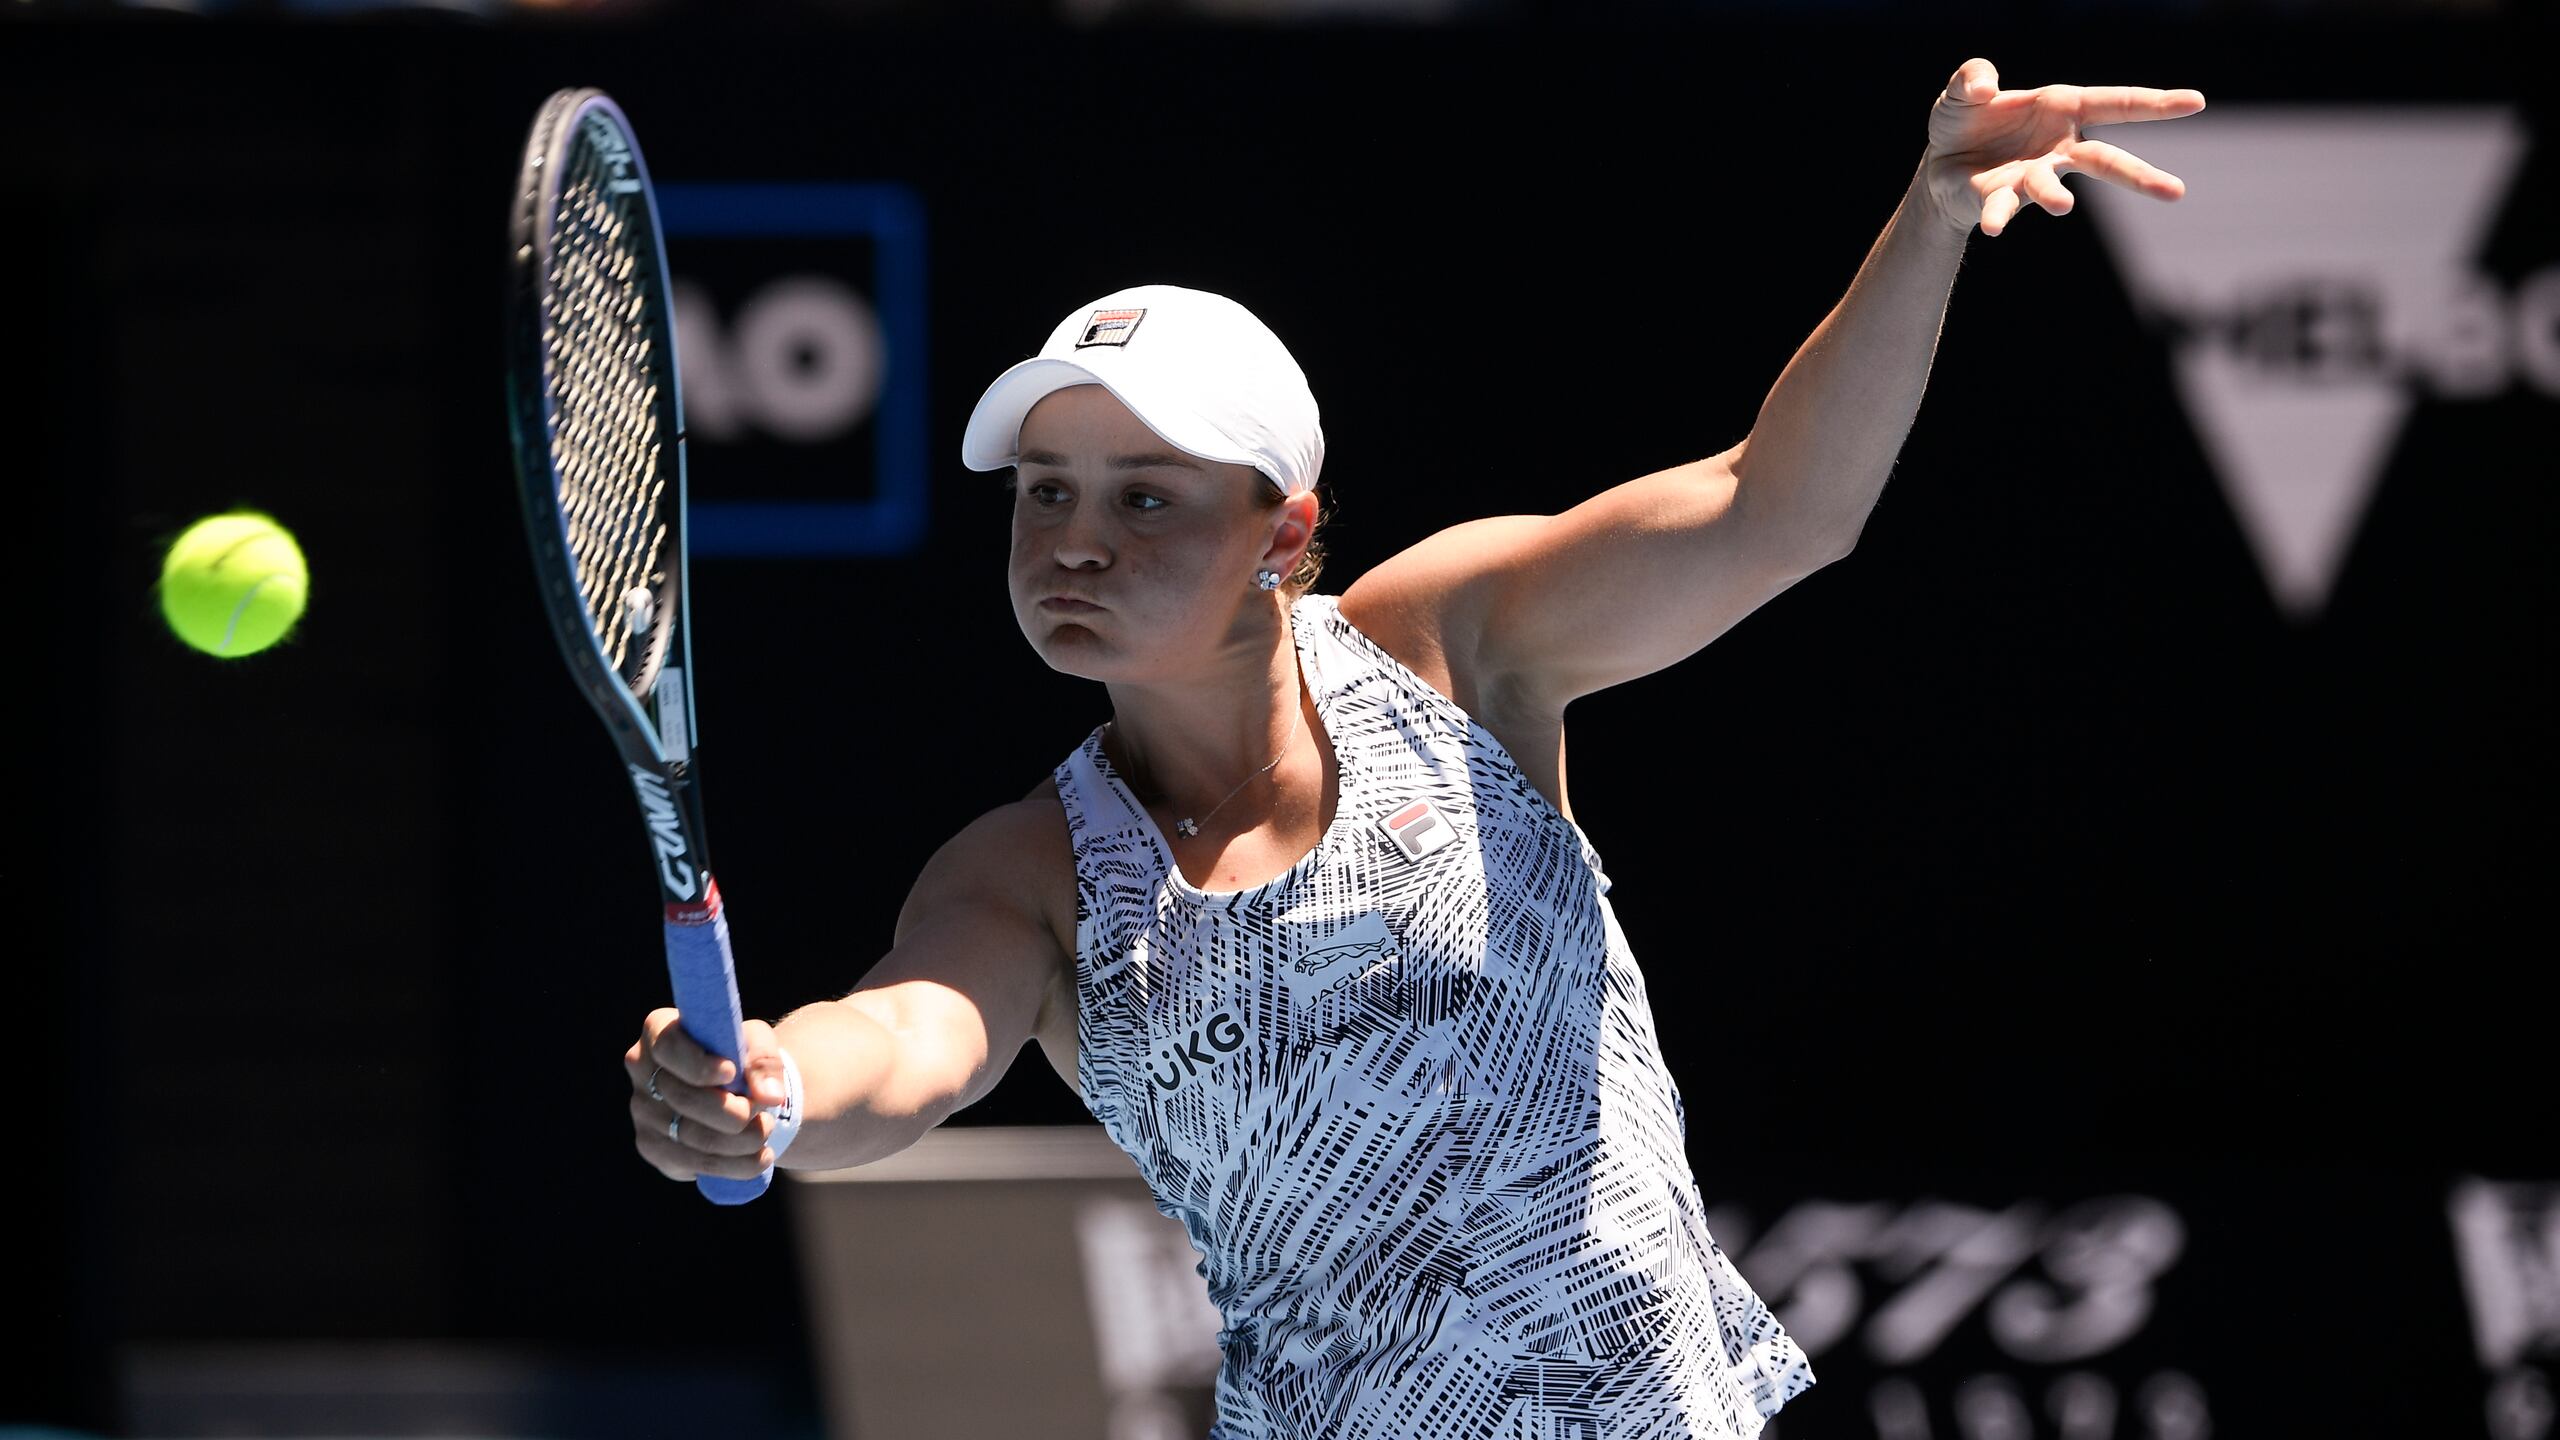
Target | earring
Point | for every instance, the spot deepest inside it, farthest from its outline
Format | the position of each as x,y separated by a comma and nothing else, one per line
1266,579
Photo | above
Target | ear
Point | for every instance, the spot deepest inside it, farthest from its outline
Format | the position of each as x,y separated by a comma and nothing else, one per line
1293,525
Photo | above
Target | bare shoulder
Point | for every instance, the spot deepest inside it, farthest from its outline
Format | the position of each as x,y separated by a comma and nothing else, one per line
1428,606
1016,855
994,914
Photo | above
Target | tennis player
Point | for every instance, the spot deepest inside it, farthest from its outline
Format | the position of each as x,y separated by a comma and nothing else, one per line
1308,924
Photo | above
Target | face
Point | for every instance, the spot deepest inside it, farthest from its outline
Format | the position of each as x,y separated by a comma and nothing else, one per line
1131,560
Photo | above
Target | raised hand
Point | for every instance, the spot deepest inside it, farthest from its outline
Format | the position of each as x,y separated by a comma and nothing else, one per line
1993,151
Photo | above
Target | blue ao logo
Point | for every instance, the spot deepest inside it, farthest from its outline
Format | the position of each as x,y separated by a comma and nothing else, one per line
801,354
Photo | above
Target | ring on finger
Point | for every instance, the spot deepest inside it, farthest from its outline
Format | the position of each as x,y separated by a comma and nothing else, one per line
652,1085
673,1126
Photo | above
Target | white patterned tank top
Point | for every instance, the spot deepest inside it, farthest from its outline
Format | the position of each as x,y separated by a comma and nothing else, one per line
1408,1100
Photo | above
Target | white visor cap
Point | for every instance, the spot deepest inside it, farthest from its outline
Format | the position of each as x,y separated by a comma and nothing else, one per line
1198,368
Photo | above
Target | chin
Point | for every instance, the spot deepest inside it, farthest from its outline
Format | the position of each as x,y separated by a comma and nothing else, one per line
1086,655
1073,650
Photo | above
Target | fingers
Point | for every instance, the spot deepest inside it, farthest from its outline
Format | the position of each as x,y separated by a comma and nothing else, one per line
2003,189
703,1133
2097,157
2123,104
667,1044
709,1107
698,1150
684,1121
2045,188
1974,82
2007,189
2054,116
1997,210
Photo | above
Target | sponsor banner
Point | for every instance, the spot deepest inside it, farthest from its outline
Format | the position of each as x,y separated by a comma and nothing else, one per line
2507,1239
2323,277
2031,1316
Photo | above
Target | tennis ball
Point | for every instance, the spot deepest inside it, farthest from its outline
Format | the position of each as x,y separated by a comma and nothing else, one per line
233,584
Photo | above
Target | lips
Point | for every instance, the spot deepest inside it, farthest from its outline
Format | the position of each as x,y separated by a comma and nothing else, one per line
1068,605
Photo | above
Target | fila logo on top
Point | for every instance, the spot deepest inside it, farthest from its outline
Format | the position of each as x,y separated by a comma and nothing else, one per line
2321,275
1418,829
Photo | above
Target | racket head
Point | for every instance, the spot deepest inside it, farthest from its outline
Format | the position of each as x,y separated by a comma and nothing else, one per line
597,416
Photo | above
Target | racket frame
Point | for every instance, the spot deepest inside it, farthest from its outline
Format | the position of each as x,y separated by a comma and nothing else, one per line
656,743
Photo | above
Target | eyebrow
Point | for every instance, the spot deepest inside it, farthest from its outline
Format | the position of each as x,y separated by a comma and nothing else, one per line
1149,460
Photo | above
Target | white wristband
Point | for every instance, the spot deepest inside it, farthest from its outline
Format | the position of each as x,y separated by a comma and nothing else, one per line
786,1117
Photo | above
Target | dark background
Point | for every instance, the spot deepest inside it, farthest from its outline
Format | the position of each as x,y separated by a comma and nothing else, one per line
2029,848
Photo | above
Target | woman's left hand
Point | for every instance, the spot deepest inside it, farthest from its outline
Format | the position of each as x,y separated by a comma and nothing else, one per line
1993,151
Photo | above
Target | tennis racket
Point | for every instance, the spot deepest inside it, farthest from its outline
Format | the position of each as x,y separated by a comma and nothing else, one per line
599,442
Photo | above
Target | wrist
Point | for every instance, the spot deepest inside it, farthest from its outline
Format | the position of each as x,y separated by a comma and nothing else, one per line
786,1116
1923,213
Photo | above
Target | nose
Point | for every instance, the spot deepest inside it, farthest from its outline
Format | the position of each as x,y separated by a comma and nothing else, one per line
1081,545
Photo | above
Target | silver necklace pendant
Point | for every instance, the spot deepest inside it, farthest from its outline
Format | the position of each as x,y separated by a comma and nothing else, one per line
1186,827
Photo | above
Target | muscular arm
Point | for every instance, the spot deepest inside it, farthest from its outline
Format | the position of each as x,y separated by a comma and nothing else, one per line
1530,611
1545,608
1817,455
975,970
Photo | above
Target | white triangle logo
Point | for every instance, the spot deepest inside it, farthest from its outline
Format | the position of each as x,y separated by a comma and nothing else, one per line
2306,282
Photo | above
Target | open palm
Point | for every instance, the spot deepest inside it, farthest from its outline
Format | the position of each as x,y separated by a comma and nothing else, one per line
1993,151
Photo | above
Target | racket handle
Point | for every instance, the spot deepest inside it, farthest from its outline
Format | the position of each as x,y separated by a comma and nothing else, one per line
706,986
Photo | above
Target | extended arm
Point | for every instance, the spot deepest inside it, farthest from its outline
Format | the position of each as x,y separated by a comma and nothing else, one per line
1817,456
1543,608
974,970
1824,441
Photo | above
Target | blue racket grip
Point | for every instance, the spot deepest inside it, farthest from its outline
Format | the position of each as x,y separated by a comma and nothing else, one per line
706,986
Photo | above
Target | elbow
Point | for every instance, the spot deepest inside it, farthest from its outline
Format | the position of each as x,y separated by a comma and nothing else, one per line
1802,535
1816,549
1822,539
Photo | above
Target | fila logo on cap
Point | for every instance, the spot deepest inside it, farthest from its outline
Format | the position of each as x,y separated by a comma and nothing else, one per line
1418,829
1110,327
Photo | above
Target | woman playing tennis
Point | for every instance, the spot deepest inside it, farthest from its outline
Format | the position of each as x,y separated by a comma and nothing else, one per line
1308,924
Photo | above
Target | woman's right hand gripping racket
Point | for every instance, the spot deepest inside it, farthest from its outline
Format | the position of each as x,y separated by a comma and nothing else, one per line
599,443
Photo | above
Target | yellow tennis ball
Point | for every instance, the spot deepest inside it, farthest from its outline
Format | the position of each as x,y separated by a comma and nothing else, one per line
233,584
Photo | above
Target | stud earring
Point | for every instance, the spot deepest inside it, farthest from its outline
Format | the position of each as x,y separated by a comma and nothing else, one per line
1266,579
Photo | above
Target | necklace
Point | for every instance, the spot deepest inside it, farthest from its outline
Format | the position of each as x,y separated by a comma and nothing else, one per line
1187,827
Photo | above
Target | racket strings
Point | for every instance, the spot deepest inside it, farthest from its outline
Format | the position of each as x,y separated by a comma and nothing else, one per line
601,352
